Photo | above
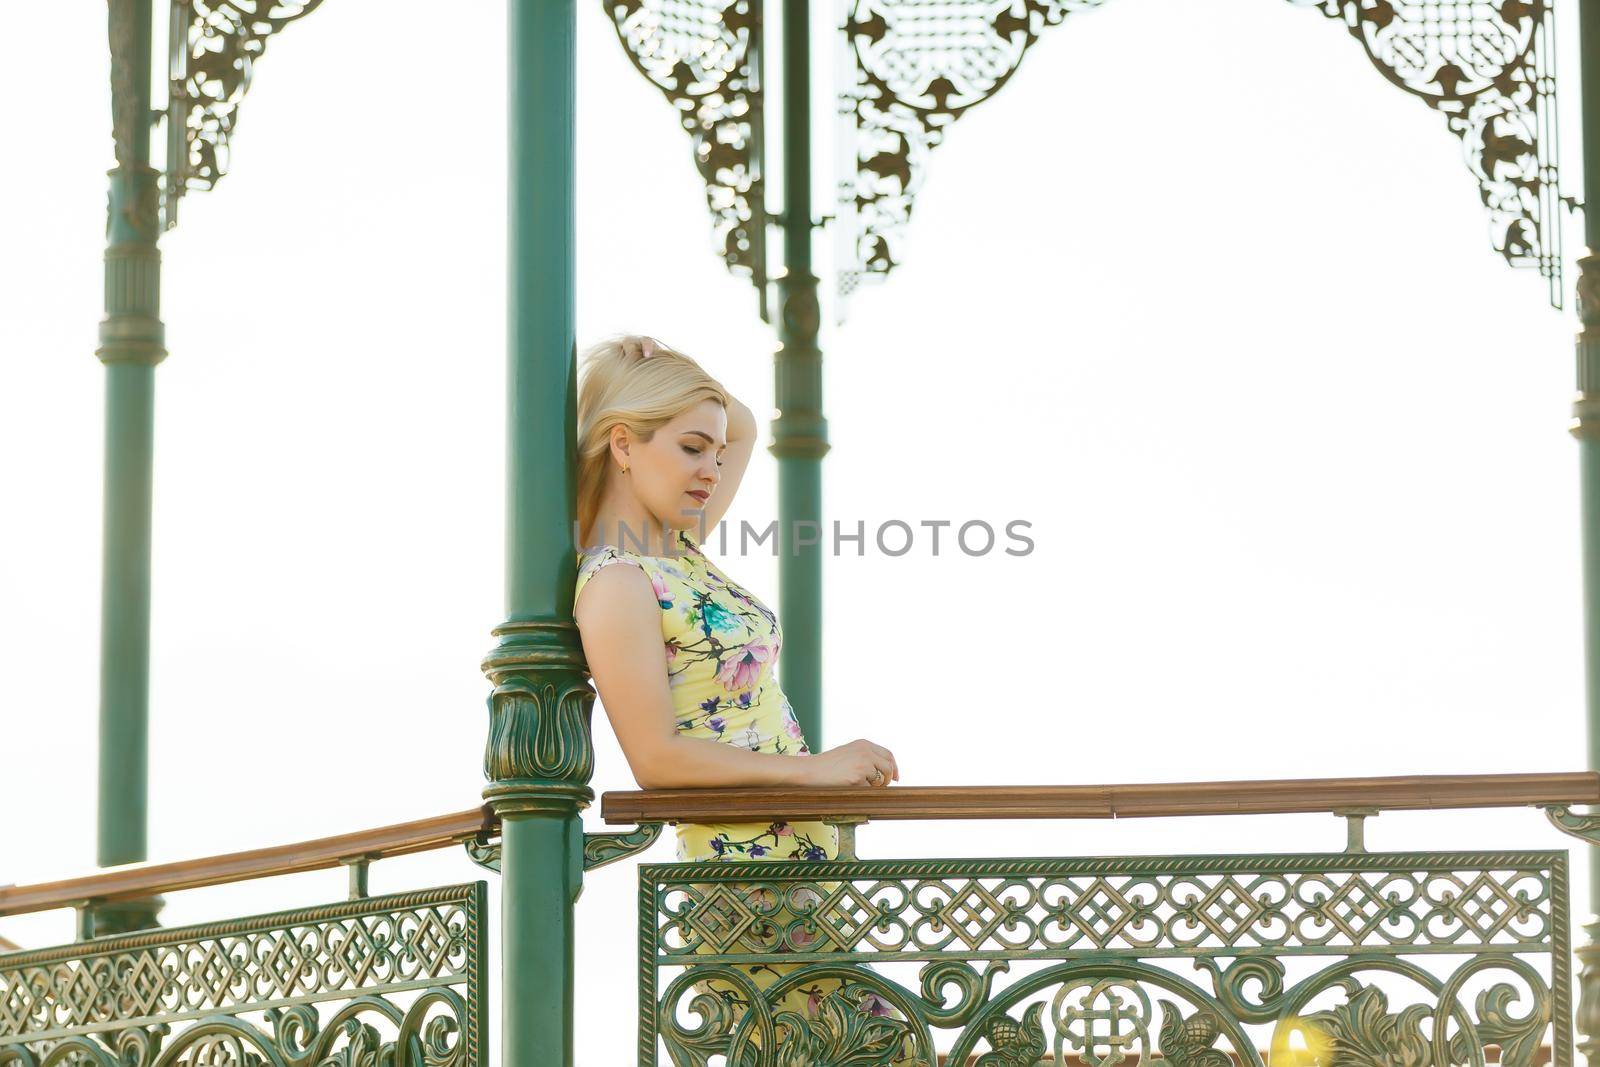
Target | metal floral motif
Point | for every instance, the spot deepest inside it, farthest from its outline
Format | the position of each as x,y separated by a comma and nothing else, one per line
1362,1030
1487,67
705,57
403,975
215,45
1188,1042
1014,1044
842,1032
1585,826
918,67
1200,961
600,849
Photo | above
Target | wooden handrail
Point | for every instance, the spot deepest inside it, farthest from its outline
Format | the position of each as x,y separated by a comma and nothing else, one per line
1104,801
896,802
146,879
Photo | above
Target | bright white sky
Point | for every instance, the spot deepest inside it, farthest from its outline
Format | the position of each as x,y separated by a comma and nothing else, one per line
1228,333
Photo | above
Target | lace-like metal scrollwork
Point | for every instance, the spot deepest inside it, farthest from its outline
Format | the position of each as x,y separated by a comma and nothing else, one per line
1582,825
601,849
484,852
215,45
388,980
598,849
918,68
705,57
1487,67
1392,958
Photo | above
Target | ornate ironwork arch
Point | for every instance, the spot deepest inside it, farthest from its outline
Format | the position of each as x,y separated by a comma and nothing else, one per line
705,57
1487,66
214,45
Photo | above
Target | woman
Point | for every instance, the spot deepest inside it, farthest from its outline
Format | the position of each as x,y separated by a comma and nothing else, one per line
684,658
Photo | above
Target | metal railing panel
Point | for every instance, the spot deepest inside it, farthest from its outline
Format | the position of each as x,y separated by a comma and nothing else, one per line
1401,958
397,979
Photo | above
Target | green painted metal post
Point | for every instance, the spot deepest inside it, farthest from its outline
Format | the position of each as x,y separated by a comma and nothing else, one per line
131,344
1585,426
800,432
539,757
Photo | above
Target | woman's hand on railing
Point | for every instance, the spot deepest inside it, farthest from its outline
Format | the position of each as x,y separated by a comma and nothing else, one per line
858,763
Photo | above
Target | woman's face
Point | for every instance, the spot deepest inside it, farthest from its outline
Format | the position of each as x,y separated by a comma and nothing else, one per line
675,472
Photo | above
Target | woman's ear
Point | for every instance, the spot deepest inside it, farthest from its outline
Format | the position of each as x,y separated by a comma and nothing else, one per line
619,446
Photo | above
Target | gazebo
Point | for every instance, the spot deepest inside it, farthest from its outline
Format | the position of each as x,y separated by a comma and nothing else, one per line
1456,957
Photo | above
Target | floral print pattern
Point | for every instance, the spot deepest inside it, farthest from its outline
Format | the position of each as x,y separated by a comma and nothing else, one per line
743,668
721,648
777,837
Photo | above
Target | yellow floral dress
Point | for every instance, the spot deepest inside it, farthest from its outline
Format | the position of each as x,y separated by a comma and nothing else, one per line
721,656
722,649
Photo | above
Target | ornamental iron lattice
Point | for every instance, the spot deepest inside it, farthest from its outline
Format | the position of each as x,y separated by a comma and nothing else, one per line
705,57
401,978
214,46
916,66
1402,959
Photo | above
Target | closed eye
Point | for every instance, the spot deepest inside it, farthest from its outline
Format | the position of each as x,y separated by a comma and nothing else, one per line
697,451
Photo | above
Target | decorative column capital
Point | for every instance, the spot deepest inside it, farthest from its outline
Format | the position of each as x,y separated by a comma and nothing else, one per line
540,755
135,202
1585,422
800,311
132,331
800,431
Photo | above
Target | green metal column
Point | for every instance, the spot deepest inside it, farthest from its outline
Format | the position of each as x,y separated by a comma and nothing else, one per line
131,344
1585,426
539,757
800,432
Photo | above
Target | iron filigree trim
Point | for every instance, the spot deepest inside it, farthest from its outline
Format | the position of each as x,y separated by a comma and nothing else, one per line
1585,826
214,48
402,978
1204,961
1487,67
705,57
600,849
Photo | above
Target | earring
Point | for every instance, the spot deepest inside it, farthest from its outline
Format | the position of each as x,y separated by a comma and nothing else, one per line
624,470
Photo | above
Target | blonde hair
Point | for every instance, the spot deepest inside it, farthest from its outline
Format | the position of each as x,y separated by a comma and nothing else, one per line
618,388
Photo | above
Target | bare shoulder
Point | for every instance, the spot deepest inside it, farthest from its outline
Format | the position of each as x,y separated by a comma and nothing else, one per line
615,595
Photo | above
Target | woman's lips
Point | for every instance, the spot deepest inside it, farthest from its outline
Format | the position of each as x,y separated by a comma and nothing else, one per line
702,497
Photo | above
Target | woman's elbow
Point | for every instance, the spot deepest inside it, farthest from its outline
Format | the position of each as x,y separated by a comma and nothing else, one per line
653,781
653,771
